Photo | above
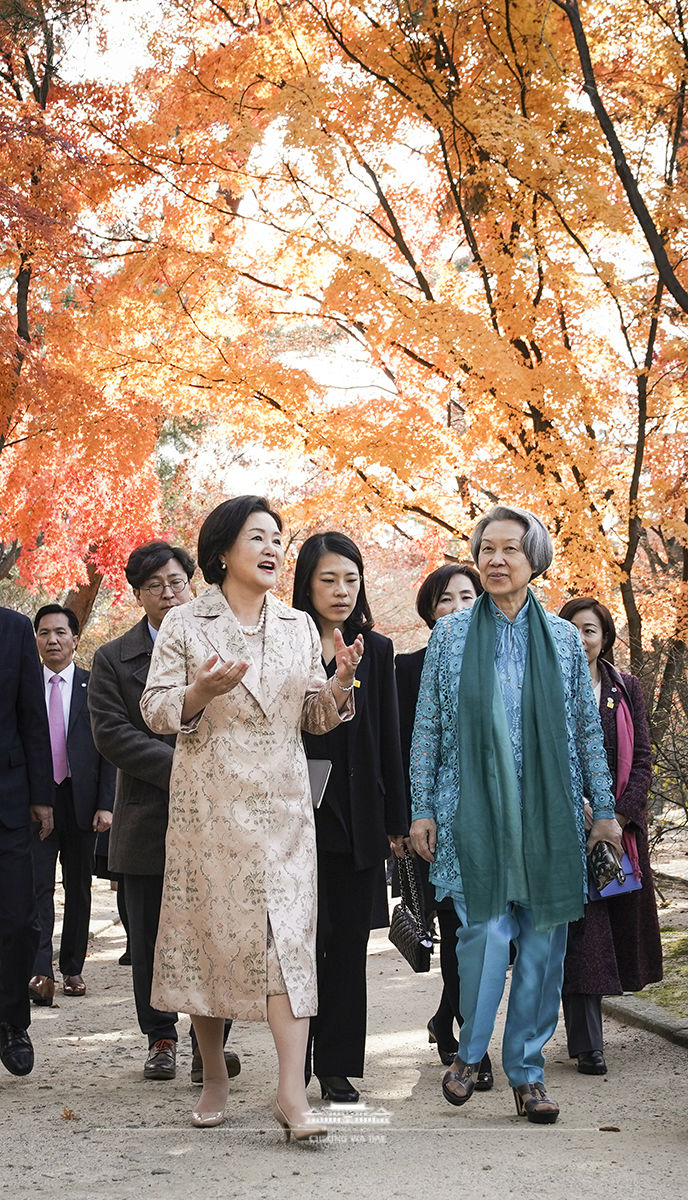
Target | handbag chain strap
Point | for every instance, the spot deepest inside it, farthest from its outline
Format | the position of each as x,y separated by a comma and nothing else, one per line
415,906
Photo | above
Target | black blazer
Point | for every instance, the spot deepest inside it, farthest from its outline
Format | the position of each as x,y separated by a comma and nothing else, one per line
143,758
93,777
365,799
408,668
26,765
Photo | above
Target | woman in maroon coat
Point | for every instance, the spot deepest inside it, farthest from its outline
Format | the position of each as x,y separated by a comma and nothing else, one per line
616,947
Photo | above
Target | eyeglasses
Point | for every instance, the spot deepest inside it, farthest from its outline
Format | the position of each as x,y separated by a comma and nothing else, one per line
156,589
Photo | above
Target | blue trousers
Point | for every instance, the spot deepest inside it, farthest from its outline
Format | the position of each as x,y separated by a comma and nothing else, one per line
537,975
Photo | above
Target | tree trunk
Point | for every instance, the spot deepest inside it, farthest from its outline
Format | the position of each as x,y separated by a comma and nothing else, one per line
8,556
82,599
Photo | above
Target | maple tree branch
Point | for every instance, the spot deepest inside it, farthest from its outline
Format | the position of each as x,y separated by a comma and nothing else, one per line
397,235
468,231
628,181
673,674
635,524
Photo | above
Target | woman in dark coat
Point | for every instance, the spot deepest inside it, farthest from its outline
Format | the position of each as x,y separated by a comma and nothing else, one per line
363,811
616,947
448,589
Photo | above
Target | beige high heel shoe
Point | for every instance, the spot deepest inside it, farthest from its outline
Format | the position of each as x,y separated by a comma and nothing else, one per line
309,1132
208,1119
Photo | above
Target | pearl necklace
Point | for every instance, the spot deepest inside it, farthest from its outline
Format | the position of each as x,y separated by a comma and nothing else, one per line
250,630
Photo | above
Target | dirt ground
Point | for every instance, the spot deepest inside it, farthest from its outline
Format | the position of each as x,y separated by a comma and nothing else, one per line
86,1126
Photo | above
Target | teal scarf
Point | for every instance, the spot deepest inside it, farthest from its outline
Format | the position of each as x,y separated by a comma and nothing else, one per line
551,849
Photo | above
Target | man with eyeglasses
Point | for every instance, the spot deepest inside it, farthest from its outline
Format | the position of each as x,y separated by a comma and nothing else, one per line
159,575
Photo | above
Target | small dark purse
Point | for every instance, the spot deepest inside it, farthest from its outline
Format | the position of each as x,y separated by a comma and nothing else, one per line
609,875
408,929
604,865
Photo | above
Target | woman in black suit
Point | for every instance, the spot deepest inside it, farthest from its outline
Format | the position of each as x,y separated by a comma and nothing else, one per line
448,589
363,811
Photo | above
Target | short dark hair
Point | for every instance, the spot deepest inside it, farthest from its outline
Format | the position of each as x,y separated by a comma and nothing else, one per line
221,529
435,584
49,609
580,604
314,548
145,560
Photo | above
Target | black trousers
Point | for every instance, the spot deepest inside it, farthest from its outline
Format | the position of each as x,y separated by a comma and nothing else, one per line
19,933
583,1020
75,848
448,1009
143,895
345,905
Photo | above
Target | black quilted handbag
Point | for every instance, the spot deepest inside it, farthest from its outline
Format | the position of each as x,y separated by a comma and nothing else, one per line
408,930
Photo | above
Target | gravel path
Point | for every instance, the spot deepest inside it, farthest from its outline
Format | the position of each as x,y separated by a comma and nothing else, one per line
85,1125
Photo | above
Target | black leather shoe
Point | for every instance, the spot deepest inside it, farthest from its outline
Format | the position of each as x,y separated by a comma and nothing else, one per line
338,1089
592,1063
16,1051
232,1063
446,1049
485,1080
162,1060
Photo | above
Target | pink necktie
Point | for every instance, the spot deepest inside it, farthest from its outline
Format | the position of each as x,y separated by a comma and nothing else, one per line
58,742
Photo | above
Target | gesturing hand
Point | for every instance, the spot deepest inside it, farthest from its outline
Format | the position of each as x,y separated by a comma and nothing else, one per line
211,680
216,678
347,658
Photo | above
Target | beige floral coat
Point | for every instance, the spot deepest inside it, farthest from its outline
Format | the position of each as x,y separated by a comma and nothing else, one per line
240,841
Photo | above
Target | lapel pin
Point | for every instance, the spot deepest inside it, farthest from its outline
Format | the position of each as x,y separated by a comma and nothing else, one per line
610,702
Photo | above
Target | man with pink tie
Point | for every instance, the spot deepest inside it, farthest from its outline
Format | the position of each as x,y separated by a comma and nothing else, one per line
84,795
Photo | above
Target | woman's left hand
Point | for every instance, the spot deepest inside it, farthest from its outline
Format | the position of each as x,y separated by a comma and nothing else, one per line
606,829
347,659
397,843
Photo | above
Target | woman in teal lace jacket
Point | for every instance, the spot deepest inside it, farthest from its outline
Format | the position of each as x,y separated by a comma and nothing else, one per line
507,740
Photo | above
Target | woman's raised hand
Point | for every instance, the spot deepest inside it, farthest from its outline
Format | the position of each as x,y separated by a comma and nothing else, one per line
211,680
347,659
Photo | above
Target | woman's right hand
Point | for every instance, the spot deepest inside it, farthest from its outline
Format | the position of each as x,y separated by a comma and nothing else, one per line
211,680
423,835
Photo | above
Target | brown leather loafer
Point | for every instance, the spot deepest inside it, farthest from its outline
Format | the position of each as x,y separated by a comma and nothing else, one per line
73,985
42,990
162,1060
232,1063
533,1102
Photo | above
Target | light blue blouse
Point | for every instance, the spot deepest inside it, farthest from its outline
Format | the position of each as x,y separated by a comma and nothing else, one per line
511,651
434,769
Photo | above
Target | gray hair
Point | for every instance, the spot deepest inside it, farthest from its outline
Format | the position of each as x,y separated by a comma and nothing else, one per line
537,544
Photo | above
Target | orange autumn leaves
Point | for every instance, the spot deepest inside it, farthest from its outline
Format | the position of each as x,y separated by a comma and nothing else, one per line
329,227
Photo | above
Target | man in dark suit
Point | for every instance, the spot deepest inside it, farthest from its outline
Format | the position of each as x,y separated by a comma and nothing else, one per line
26,794
159,575
84,795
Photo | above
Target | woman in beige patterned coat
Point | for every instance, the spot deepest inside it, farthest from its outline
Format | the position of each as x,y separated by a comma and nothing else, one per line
237,675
